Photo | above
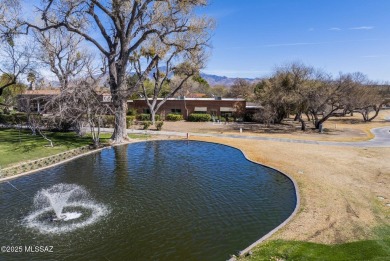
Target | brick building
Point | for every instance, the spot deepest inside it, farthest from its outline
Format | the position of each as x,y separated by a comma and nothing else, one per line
35,100
219,107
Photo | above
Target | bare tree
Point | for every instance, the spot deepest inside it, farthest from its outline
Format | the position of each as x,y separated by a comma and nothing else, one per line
368,101
81,105
15,61
61,52
183,60
242,89
124,27
285,91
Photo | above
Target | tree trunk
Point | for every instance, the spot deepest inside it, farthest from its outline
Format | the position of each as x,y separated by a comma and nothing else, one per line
118,87
303,125
120,131
308,117
153,117
377,109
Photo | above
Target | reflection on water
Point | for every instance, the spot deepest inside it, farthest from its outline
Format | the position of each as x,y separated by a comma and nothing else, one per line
168,200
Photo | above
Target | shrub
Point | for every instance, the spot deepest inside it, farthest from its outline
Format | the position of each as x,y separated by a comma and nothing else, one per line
146,124
7,119
108,121
159,125
146,117
143,117
129,121
197,117
132,112
174,117
20,117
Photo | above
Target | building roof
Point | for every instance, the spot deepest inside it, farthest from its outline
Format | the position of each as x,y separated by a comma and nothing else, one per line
41,92
197,99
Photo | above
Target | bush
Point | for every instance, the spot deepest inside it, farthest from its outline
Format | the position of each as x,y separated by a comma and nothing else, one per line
7,119
146,124
174,117
132,112
159,125
108,121
129,121
146,117
143,117
12,119
20,117
197,117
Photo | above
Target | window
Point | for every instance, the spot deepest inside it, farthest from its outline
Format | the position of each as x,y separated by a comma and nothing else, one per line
226,114
176,111
200,110
146,111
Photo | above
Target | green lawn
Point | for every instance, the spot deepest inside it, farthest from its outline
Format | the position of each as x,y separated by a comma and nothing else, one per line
20,146
296,250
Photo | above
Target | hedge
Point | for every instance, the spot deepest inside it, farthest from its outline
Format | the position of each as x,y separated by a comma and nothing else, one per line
197,117
12,119
146,117
174,117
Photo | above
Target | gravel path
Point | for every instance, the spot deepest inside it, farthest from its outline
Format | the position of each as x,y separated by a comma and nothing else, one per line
381,139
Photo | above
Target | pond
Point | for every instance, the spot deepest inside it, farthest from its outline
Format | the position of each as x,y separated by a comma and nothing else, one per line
162,200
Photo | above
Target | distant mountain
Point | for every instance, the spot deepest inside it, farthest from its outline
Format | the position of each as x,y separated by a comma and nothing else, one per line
210,78
223,80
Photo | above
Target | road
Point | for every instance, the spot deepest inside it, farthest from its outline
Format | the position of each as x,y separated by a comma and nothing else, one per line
381,139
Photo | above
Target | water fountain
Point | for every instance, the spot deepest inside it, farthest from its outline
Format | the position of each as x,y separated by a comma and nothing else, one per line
64,208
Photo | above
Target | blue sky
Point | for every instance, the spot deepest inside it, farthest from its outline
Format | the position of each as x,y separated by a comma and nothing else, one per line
254,36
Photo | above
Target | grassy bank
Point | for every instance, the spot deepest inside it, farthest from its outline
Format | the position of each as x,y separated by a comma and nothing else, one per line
18,146
298,250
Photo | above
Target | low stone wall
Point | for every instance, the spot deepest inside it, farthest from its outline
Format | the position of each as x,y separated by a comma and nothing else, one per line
42,163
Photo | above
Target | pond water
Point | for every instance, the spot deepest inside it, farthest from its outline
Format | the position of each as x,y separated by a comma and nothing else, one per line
162,200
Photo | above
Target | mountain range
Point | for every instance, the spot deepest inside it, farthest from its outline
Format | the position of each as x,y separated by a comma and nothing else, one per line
213,79
223,80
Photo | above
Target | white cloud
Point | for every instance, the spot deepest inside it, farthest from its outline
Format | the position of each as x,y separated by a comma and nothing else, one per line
311,29
375,56
334,29
289,44
362,28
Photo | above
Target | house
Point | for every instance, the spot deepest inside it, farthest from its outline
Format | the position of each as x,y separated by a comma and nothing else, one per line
218,107
34,100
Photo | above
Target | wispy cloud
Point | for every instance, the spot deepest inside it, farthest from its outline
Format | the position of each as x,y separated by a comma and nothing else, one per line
362,28
222,13
311,29
289,44
297,44
375,56
334,29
